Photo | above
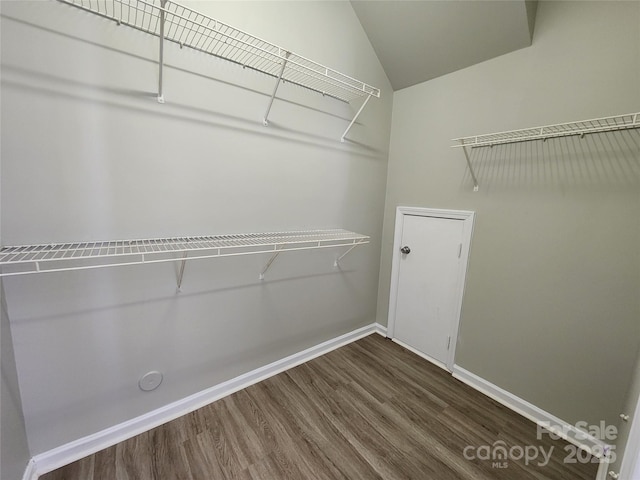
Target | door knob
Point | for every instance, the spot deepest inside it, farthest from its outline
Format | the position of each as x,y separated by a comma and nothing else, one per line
405,250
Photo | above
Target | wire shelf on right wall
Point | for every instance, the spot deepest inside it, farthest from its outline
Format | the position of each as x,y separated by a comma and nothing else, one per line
582,127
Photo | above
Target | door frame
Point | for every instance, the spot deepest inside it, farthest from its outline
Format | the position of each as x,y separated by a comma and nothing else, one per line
468,218
630,465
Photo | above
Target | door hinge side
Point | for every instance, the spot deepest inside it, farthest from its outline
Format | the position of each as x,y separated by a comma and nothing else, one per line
449,342
459,250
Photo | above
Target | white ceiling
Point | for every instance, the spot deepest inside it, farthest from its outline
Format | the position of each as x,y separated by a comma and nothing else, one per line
422,39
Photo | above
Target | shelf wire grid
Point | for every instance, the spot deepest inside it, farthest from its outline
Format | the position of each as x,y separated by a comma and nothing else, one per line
605,124
85,255
190,28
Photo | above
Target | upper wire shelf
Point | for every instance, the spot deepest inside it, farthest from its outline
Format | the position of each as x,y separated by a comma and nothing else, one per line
583,127
171,21
28,259
605,124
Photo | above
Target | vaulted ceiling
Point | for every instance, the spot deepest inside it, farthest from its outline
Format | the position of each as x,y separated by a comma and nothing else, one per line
417,40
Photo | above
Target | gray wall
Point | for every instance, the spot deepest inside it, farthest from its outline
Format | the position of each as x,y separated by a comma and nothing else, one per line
14,448
551,303
89,154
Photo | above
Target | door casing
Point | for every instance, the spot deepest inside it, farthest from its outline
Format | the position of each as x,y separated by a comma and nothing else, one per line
468,218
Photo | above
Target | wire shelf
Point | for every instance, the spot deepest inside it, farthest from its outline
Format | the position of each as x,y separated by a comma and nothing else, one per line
190,28
28,259
605,124
596,125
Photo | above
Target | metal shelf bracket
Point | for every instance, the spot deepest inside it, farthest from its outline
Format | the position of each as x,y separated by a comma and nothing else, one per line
364,104
181,271
337,262
265,120
161,53
473,174
268,265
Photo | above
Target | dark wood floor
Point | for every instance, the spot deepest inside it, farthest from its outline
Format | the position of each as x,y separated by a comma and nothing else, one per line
369,410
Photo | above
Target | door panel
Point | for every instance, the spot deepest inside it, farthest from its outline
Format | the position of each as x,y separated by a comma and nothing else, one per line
428,283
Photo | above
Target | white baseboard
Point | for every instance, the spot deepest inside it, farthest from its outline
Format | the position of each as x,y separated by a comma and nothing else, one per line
70,452
30,473
380,329
603,470
558,427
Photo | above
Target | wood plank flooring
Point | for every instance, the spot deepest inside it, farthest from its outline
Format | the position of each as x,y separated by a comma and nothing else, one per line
369,410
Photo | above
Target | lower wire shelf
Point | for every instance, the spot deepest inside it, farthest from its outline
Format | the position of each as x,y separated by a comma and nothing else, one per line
30,259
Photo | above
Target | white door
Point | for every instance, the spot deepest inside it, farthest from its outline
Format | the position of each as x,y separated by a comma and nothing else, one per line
430,265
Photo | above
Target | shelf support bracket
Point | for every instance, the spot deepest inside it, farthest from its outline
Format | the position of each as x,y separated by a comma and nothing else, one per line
265,120
181,272
266,267
355,118
473,175
161,55
337,262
